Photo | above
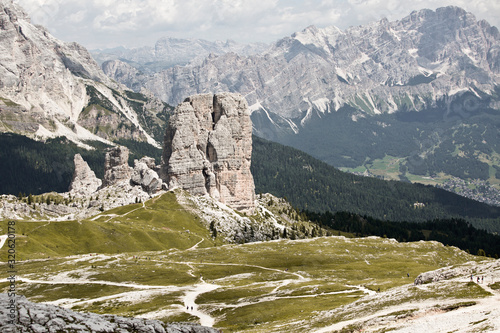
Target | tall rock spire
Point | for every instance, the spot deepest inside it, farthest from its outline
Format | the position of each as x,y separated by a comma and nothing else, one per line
208,149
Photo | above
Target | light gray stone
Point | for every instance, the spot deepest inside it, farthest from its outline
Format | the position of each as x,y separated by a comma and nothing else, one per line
208,149
47,318
84,180
116,168
144,174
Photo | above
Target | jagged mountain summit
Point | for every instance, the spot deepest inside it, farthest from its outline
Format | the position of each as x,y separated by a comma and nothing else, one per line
381,67
51,88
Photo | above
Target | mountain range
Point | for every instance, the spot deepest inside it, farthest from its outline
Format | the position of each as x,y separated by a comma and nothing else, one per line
124,247
419,95
168,52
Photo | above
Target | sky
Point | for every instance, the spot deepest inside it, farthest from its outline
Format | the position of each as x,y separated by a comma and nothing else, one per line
99,24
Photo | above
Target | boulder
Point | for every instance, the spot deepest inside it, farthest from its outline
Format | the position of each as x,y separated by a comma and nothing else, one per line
144,174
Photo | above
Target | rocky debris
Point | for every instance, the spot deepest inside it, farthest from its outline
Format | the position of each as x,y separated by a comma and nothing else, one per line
145,174
272,219
447,273
208,149
84,180
116,168
444,273
36,317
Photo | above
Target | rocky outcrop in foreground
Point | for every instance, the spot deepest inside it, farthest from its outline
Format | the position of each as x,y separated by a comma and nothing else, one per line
35,317
208,149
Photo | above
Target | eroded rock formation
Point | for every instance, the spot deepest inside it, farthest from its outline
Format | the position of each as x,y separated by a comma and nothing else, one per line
208,149
116,168
84,179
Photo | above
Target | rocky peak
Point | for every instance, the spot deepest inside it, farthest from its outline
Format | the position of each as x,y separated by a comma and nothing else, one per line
208,148
54,88
84,180
116,168
377,68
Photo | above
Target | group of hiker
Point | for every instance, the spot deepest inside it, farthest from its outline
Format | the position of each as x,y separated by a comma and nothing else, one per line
480,279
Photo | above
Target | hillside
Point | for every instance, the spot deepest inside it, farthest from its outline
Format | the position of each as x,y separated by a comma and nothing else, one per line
157,261
35,167
316,186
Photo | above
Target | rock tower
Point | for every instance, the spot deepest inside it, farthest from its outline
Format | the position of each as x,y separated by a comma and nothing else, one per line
116,168
208,149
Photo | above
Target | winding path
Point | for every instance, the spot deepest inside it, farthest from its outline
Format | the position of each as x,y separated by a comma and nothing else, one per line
189,300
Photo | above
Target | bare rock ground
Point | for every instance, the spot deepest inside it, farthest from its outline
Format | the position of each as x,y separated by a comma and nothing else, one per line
446,314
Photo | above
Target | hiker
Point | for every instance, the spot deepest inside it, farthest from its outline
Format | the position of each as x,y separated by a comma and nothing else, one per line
478,279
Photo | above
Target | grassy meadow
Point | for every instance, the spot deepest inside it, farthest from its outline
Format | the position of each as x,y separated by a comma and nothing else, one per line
157,260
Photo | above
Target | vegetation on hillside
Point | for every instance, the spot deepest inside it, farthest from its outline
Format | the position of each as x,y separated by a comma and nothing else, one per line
32,167
313,185
456,139
454,232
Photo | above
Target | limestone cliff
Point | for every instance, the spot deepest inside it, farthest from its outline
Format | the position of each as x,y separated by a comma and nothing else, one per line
208,149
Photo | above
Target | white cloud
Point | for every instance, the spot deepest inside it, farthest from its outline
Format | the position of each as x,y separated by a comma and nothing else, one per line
107,23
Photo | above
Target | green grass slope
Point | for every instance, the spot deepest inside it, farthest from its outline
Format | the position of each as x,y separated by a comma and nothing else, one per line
158,225
273,286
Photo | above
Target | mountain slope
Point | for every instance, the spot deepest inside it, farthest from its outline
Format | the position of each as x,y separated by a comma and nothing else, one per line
414,99
381,67
50,88
316,186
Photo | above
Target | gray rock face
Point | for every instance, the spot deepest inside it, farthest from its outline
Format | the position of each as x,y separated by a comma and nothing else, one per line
381,67
84,180
208,149
49,87
35,317
116,168
145,175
